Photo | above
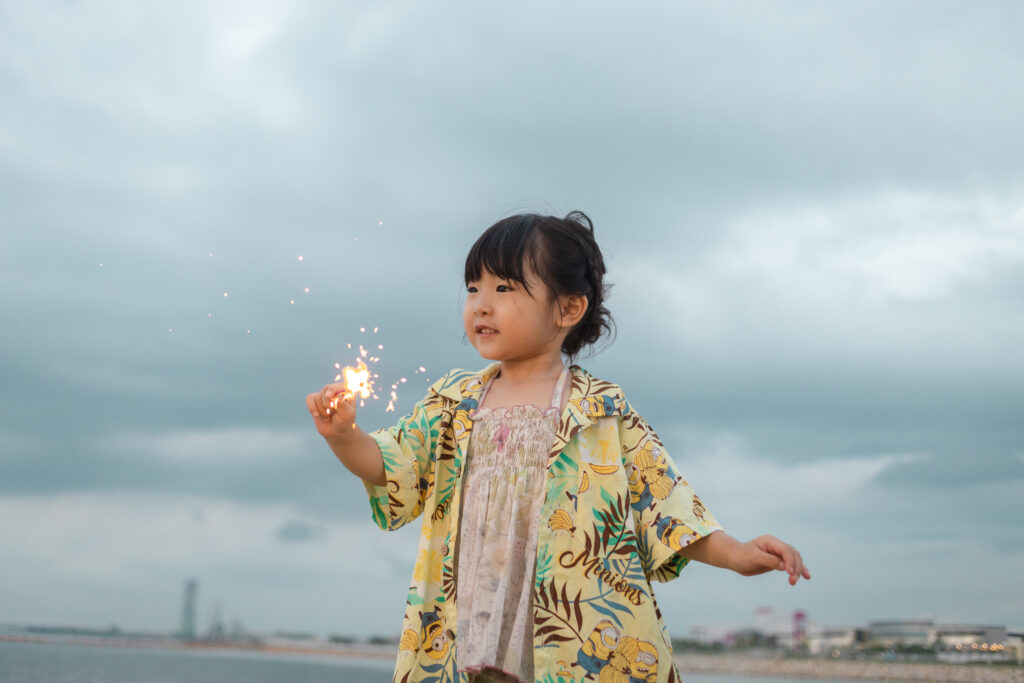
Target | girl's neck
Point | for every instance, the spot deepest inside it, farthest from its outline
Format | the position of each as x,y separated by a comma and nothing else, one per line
521,384
530,371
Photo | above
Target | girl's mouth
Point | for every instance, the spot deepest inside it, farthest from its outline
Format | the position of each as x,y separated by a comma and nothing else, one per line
480,329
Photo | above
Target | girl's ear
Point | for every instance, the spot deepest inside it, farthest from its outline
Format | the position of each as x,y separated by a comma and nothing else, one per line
571,309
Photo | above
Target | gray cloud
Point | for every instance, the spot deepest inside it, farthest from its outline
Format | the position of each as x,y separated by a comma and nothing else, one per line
812,217
296,531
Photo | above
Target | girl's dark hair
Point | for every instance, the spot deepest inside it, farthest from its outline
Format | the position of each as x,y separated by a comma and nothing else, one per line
563,254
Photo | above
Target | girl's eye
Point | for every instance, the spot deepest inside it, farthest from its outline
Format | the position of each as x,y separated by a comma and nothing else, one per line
471,289
504,288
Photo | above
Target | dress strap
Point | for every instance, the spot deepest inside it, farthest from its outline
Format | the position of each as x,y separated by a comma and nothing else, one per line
487,387
556,398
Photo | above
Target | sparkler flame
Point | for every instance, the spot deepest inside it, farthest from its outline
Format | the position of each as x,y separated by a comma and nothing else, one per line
357,380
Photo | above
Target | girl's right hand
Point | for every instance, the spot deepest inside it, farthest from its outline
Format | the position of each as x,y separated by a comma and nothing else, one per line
333,411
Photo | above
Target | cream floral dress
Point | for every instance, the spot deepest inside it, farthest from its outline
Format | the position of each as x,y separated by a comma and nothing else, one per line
497,546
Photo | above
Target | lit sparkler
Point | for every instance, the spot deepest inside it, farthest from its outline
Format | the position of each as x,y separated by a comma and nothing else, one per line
357,381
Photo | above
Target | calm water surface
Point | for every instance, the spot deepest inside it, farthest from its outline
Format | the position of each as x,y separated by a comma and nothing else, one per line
58,663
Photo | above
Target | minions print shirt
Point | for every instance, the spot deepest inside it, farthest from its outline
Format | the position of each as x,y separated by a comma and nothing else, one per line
615,514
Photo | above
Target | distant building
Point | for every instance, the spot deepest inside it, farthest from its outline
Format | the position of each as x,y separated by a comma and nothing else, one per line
1015,646
217,631
958,637
961,644
903,639
955,643
833,641
188,611
902,633
751,638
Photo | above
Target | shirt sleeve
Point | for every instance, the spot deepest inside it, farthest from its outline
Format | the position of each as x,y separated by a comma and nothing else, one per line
407,449
667,514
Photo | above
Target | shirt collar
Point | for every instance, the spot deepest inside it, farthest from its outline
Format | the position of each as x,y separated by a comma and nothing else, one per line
589,398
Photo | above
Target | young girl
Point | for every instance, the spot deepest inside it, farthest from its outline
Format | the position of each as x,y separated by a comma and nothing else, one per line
549,505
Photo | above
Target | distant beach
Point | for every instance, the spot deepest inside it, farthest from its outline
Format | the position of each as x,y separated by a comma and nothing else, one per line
849,670
714,664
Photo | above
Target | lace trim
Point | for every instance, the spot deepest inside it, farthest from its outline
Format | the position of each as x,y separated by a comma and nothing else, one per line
513,411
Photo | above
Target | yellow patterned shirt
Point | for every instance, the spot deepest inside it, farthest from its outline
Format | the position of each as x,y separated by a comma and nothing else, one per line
615,513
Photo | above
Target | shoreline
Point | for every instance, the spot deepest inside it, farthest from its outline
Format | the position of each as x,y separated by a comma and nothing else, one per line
713,664
354,651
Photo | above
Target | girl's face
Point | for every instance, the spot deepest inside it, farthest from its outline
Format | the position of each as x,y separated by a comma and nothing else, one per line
504,322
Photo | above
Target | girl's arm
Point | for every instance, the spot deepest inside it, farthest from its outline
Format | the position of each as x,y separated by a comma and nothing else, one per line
763,554
334,415
360,453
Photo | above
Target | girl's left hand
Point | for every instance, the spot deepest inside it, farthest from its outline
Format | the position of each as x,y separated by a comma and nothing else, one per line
767,553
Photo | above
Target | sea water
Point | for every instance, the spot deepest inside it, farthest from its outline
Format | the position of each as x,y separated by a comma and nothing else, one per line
62,663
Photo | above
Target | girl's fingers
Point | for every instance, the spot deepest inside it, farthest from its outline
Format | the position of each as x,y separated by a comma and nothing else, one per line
324,402
802,568
321,408
789,557
788,560
777,549
765,561
311,405
798,569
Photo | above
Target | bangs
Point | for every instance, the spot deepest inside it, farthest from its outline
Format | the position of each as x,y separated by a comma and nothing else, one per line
504,250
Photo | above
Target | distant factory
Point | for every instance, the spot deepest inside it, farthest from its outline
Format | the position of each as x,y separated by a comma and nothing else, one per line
901,639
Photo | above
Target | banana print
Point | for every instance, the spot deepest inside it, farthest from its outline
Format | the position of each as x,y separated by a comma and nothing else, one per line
410,641
649,478
561,520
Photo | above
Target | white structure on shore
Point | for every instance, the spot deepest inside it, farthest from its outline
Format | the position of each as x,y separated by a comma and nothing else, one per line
833,640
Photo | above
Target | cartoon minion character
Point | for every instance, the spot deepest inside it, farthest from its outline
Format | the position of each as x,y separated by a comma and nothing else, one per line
644,665
649,477
433,636
639,495
436,638
598,647
471,385
596,406
461,422
673,533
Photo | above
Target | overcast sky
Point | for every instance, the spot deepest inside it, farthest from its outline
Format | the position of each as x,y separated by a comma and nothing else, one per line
812,216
